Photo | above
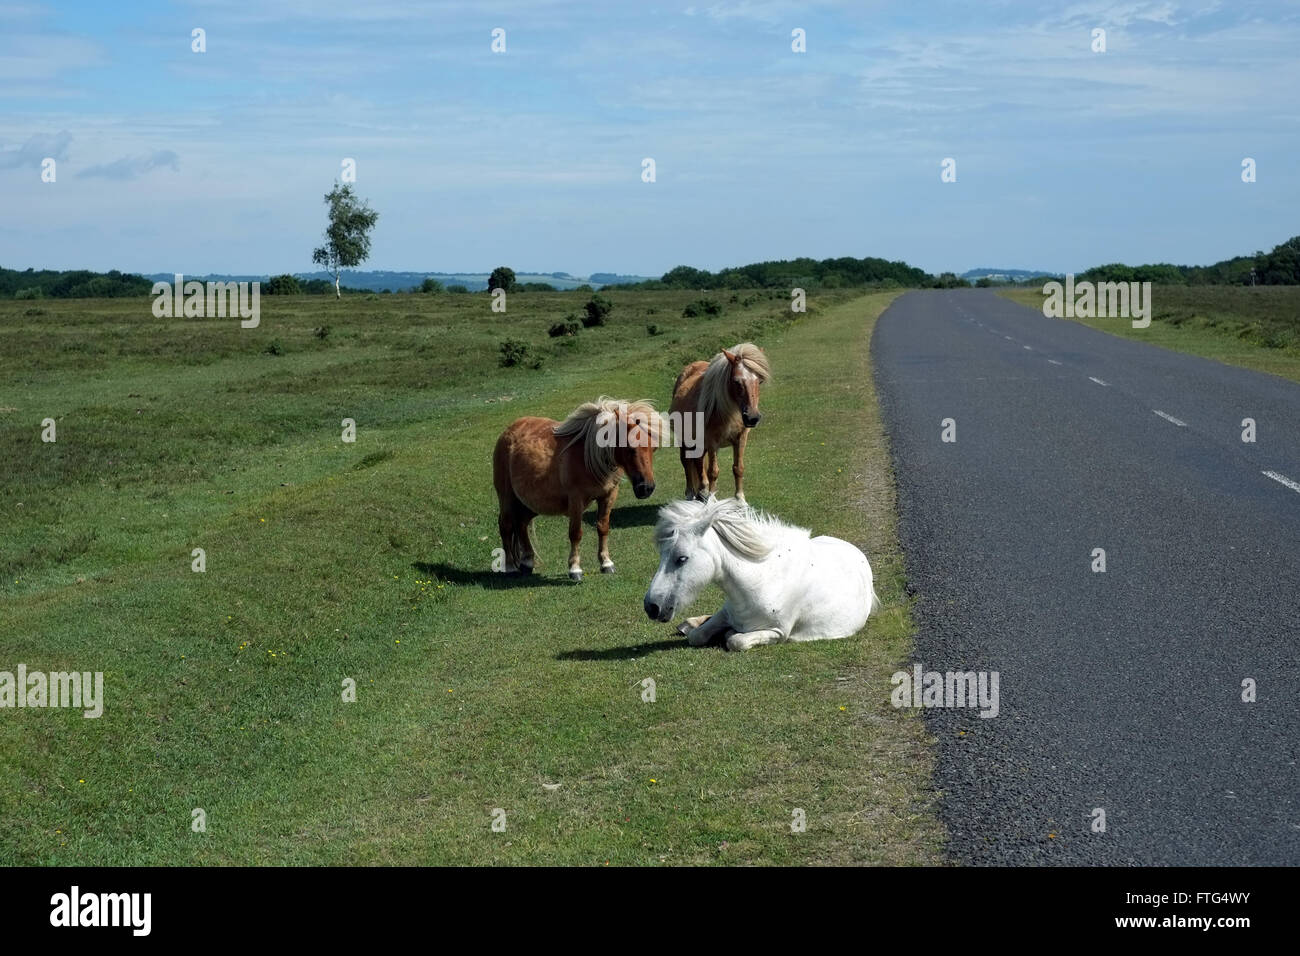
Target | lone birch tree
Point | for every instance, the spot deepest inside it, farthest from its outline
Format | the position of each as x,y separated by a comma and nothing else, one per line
347,236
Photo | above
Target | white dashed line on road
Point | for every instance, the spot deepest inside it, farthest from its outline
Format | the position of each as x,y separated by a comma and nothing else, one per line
1054,361
1170,418
1283,479
1027,348
1107,384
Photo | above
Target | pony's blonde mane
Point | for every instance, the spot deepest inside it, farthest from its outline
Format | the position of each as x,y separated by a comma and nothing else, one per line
744,531
585,422
715,393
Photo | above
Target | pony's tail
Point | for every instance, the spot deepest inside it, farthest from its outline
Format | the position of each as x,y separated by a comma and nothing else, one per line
875,603
517,548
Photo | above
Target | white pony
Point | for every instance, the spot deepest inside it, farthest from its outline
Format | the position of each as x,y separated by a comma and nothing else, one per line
781,585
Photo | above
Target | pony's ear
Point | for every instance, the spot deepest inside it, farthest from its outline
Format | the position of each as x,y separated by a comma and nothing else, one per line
730,358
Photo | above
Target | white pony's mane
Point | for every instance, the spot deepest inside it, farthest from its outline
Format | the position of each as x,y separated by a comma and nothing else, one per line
715,391
744,531
584,424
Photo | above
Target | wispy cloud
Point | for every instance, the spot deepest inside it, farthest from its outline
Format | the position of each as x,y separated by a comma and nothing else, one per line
133,167
36,149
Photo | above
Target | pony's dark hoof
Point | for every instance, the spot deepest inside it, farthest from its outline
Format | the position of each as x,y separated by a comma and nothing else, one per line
575,575
607,569
525,569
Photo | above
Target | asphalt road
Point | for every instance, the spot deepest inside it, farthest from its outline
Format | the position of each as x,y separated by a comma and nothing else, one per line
1119,690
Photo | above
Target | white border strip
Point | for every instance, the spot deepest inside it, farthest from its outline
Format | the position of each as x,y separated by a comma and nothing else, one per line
1293,485
1170,418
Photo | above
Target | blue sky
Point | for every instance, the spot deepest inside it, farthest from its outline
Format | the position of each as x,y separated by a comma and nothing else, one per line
169,160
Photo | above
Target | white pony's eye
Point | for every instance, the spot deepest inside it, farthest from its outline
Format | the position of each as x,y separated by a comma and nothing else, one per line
682,559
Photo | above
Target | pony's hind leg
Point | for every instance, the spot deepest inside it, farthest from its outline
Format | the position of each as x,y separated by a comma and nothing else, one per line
509,541
694,468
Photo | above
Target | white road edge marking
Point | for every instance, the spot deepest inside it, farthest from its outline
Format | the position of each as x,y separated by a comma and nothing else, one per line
1293,485
1028,348
1170,418
1054,361
1100,382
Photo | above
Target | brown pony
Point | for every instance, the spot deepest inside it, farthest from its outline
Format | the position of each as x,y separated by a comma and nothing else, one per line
725,392
545,467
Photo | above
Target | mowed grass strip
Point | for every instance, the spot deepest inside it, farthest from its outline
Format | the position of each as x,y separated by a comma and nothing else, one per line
1255,327
370,561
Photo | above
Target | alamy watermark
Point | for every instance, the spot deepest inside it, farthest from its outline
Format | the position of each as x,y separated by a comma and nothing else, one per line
1087,300
71,689
130,910
215,300
686,430
946,689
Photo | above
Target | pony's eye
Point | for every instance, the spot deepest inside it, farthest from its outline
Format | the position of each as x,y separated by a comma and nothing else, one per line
681,559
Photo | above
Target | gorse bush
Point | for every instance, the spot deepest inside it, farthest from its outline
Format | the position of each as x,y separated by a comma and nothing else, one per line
570,326
701,307
513,352
597,311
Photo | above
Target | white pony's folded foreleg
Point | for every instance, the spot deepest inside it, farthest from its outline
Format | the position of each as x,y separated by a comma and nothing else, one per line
743,642
706,629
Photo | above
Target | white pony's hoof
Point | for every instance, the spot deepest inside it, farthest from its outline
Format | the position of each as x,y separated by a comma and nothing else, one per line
738,642
575,575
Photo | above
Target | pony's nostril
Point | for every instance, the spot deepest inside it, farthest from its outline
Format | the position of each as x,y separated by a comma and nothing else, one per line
652,610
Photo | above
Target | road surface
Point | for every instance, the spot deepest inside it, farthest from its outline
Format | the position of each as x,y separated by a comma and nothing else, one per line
1120,690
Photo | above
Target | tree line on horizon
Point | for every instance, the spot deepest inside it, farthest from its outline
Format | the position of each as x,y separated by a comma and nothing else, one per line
1281,266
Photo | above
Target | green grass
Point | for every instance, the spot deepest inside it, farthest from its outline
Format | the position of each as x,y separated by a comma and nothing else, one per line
328,560
1254,327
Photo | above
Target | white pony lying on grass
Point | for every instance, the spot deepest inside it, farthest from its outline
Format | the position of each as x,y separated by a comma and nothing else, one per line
780,584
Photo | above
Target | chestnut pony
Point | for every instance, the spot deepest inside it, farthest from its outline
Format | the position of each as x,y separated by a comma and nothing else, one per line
725,391
545,467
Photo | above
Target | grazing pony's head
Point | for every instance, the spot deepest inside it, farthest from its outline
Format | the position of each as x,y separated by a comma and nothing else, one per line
731,383
617,435
687,562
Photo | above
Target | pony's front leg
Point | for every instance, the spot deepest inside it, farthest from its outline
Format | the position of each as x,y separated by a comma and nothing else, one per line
738,462
604,506
743,642
700,630
713,473
576,506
